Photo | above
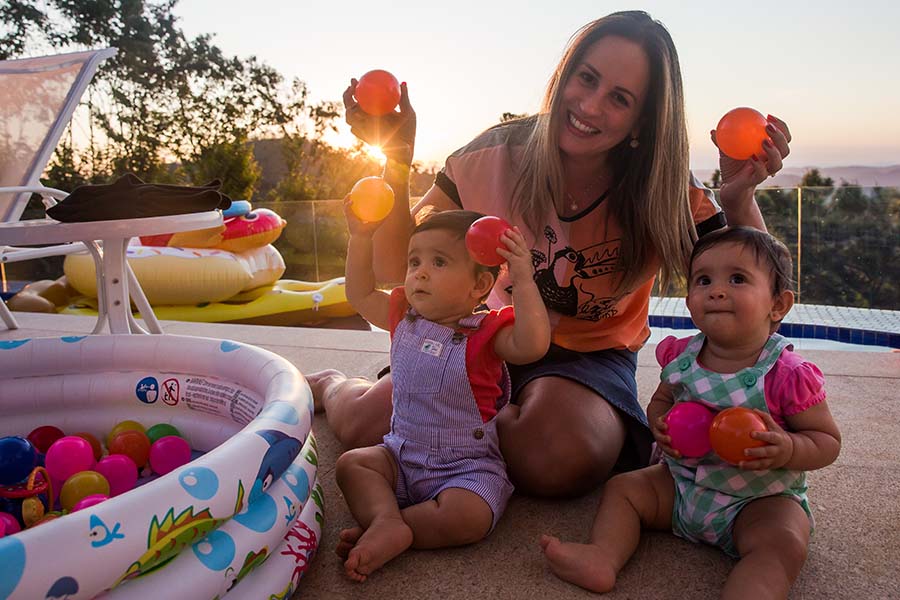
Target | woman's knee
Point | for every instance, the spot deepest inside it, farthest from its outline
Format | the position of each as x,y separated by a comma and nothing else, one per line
560,467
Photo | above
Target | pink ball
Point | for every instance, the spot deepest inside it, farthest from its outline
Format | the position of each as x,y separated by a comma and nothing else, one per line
69,455
9,524
120,471
89,501
689,428
168,453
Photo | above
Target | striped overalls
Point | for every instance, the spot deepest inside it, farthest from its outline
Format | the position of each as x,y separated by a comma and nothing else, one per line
437,437
709,493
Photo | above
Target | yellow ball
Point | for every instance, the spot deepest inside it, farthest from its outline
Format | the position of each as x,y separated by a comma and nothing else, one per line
124,426
371,199
80,485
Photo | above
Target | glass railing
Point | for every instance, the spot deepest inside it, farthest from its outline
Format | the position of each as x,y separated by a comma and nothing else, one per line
845,242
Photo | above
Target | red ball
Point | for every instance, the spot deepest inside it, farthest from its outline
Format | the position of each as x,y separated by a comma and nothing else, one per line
483,239
730,432
43,437
741,132
378,92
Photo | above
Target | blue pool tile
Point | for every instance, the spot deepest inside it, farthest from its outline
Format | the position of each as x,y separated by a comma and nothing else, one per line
856,336
844,335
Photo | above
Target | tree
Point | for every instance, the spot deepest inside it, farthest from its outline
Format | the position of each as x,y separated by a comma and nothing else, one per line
164,98
715,180
813,178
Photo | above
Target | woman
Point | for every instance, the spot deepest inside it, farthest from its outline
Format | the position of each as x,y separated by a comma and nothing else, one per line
599,183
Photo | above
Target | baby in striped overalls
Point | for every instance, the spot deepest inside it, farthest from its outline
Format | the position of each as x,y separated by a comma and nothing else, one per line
739,289
438,479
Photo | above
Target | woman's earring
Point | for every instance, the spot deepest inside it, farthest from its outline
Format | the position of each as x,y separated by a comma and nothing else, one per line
634,143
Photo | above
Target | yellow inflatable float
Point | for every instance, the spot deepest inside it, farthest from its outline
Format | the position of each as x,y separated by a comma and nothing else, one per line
231,277
285,302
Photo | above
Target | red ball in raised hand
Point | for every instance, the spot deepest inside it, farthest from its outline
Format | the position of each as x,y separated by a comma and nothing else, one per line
741,132
729,433
689,428
483,239
378,92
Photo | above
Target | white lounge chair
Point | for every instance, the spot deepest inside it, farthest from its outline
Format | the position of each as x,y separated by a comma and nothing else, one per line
38,97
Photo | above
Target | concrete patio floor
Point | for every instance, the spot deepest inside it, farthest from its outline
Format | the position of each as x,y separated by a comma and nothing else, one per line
855,552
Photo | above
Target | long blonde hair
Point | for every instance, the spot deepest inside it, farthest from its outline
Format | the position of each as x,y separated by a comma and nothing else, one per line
650,198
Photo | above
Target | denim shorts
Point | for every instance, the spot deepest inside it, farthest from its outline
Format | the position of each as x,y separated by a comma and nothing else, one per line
609,373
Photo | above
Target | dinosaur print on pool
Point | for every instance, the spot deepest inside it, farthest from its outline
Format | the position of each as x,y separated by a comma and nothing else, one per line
172,534
283,449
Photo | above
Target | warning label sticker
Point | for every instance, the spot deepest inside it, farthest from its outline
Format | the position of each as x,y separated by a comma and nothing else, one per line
219,398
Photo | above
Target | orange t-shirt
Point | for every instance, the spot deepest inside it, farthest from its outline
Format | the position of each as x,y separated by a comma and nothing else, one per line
577,258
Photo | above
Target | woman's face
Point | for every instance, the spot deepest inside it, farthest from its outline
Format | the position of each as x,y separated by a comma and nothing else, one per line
603,98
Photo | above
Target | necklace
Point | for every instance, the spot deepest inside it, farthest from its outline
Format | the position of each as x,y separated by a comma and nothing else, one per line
573,203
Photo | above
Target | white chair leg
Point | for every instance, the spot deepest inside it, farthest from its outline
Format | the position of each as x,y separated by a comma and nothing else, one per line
7,316
140,300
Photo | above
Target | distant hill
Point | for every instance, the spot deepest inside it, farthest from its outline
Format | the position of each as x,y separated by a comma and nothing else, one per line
854,175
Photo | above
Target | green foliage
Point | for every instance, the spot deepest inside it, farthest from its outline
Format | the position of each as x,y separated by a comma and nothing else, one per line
813,178
231,162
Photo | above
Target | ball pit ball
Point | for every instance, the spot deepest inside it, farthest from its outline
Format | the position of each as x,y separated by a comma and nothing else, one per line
371,199
43,437
9,524
741,132
729,433
134,444
93,441
68,455
161,430
120,471
81,485
378,92
17,458
123,426
689,428
168,453
89,501
483,239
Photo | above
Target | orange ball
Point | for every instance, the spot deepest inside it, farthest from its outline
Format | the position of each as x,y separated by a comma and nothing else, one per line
133,444
729,433
371,199
378,92
741,132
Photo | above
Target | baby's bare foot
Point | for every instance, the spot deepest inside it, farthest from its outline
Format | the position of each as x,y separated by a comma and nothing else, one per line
584,565
385,539
321,383
348,539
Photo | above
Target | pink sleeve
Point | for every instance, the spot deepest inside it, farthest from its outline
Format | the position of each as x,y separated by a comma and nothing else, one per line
798,386
668,349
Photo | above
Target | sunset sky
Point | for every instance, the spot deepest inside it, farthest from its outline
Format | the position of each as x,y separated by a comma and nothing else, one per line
829,68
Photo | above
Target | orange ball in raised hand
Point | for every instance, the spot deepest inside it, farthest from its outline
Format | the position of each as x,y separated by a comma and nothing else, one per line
741,132
729,433
378,92
371,199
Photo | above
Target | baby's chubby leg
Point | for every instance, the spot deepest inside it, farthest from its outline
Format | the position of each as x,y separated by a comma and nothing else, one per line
630,501
367,478
456,517
772,536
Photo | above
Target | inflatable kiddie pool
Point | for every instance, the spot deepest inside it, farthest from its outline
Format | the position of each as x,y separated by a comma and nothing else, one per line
250,502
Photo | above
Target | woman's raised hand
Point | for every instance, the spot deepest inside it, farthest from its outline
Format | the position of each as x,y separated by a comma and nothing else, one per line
743,175
394,133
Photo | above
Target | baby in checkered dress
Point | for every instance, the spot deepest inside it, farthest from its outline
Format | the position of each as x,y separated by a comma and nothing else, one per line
739,290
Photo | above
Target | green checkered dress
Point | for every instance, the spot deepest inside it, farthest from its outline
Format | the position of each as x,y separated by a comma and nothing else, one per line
709,493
